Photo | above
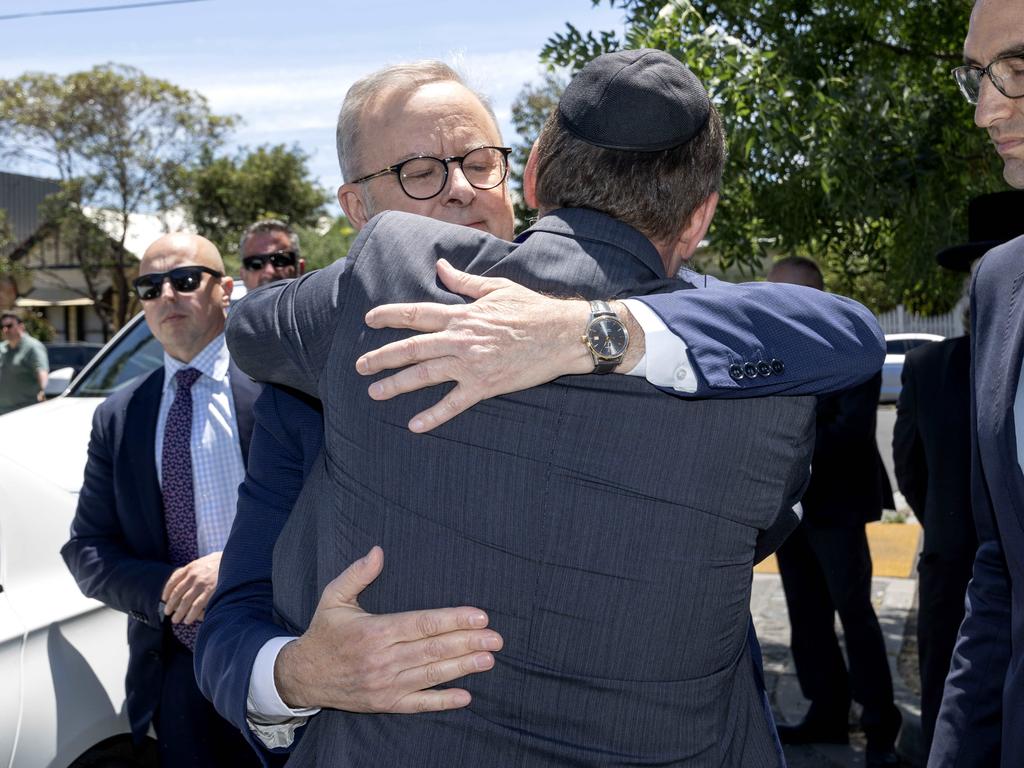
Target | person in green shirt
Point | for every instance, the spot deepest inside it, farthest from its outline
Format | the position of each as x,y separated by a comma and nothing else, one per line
24,366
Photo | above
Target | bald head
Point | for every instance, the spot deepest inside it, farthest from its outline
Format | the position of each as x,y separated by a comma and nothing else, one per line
189,311
195,248
797,271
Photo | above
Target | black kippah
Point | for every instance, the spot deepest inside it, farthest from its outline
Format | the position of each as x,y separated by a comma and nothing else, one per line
640,101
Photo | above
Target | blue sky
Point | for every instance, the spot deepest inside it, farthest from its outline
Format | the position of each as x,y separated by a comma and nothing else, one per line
285,66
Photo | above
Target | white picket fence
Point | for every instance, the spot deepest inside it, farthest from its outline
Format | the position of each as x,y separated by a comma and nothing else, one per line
898,320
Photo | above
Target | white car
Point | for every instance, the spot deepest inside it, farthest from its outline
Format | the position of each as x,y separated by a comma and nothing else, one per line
896,347
63,656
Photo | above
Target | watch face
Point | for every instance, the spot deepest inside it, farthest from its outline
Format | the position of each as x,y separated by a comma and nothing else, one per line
607,336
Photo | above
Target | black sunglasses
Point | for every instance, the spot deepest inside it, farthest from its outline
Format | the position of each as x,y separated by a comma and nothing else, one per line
183,280
278,258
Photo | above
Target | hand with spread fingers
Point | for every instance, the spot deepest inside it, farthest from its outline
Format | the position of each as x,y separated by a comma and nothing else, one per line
355,661
190,588
509,339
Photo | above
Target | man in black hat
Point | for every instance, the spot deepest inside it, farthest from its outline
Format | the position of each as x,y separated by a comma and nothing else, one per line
931,447
619,581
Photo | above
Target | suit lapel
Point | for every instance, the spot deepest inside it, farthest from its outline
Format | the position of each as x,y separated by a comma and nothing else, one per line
139,442
1001,417
244,392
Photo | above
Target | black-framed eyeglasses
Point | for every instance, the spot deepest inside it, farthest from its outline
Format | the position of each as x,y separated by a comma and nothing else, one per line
424,177
5,326
183,280
279,259
1005,72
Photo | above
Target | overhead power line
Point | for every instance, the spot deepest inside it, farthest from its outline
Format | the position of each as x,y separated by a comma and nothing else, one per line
95,9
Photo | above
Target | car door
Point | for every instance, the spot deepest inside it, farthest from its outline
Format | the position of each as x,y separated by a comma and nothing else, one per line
12,638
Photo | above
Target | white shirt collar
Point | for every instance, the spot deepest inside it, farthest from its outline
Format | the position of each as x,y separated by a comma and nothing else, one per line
212,361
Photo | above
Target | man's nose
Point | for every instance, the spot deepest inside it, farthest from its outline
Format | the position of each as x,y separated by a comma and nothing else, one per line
459,191
992,105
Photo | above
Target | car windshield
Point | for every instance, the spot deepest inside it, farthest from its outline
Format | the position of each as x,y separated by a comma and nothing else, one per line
135,353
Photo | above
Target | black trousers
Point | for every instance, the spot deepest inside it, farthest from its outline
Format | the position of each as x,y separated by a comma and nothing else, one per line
827,571
190,733
940,595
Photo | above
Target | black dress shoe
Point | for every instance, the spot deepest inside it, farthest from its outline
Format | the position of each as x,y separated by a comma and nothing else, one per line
815,731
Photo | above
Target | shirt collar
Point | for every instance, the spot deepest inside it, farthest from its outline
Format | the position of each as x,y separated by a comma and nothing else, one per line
212,362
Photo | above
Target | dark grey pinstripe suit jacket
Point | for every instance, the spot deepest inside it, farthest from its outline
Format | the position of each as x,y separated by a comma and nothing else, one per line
607,529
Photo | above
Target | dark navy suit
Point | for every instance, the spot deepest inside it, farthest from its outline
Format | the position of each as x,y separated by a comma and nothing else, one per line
118,546
981,721
821,349
296,600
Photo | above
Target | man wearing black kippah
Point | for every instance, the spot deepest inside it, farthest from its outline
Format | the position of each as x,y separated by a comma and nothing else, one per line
619,579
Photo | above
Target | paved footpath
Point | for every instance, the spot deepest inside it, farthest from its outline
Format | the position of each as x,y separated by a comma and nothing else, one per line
893,600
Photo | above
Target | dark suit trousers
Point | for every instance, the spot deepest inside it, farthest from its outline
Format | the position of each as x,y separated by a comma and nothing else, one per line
190,733
825,571
941,589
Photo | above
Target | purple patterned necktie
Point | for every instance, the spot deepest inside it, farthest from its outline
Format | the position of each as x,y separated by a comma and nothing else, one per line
176,487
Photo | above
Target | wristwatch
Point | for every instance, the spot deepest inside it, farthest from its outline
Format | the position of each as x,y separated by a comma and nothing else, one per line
606,337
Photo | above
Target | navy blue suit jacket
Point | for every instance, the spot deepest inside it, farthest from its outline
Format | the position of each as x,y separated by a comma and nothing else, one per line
118,546
824,342
981,722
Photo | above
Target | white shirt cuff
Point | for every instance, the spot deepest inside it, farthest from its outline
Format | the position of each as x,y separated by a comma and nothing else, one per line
271,720
665,363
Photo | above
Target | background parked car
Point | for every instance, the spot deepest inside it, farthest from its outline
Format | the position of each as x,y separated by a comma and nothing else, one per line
896,347
62,656
67,358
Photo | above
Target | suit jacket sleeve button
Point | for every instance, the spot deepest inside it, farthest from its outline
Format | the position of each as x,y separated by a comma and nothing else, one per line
763,369
750,370
777,366
735,372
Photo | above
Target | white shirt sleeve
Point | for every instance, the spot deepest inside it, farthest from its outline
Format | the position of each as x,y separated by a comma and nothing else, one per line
665,362
271,720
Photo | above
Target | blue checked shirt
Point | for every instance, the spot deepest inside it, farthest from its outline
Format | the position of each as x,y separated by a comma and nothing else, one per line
217,468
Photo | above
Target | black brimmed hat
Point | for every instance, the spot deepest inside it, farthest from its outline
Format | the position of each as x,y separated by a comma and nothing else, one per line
640,101
992,219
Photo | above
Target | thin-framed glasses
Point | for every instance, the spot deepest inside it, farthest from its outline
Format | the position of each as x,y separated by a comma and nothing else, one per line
183,280
279,259
1005,72
422,178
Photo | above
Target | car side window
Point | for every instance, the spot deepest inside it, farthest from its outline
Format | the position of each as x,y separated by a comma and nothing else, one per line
136,352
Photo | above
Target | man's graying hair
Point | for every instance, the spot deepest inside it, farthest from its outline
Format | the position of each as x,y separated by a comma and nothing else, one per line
400,79
655,192
269,225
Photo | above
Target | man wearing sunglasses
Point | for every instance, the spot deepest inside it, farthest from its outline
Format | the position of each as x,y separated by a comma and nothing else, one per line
166,455
270,251
981,720
24,366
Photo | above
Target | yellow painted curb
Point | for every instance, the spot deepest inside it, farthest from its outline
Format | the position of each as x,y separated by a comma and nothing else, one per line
893,550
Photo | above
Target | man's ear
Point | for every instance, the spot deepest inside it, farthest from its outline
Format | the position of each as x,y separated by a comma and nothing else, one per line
530,178
227,285
356,211
689,239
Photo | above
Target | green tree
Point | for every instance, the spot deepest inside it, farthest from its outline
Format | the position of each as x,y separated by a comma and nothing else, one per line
117,139
529,111
321,249
224,195
848,140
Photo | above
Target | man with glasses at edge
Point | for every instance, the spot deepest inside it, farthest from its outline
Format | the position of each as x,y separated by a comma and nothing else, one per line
166,455
270,251
981,720
411,142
